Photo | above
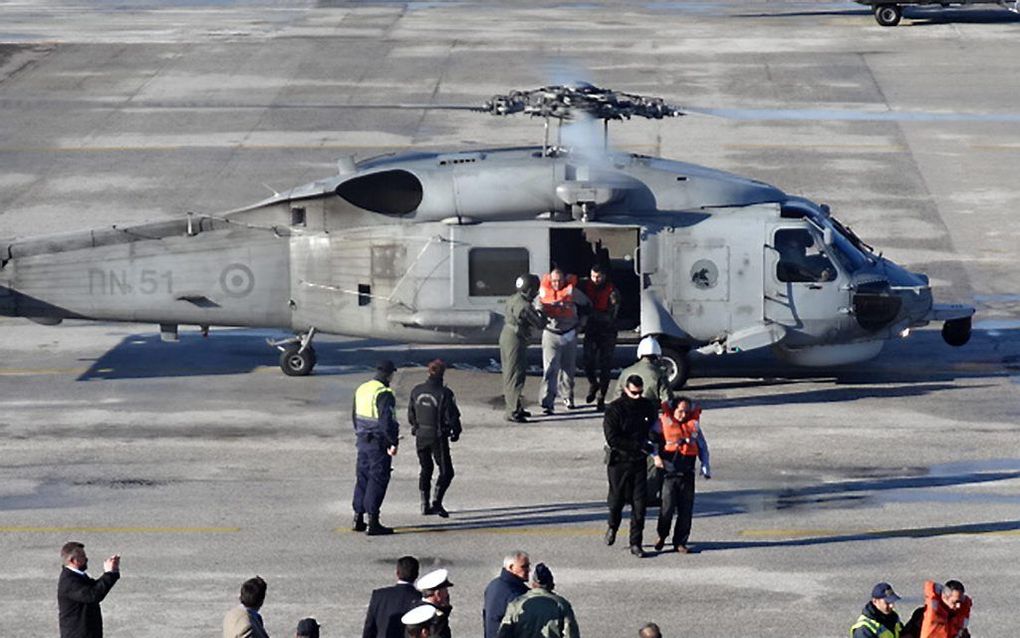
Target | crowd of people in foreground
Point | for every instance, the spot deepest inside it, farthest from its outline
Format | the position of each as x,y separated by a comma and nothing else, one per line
515,606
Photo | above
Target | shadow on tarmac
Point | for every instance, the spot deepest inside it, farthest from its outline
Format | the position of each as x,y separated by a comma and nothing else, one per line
913,16
922,359
915,532
734,502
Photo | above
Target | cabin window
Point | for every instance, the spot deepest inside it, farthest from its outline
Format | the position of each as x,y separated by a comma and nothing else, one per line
297,216
364,294
493,272
801,258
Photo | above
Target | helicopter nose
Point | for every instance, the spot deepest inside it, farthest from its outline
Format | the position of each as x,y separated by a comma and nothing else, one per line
875,304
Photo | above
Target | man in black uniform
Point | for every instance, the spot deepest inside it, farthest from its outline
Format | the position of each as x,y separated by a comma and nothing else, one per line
627,425
435,422
599,333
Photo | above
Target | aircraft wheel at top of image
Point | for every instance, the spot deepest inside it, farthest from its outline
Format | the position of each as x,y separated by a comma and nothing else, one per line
296,363
888,15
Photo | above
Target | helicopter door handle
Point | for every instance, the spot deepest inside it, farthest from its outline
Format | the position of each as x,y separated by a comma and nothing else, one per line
814,286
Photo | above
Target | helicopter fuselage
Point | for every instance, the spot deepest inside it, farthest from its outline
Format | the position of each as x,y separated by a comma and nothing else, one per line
426,247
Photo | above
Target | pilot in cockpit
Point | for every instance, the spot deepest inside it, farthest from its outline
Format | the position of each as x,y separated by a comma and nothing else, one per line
800,259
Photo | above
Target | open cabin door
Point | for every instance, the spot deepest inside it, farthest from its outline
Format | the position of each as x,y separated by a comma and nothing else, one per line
575,249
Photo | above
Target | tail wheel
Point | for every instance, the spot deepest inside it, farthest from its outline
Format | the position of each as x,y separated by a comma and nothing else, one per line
678,367
296,363
888,15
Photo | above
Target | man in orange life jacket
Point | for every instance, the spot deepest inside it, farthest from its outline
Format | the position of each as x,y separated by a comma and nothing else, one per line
678,440
946,610
559,299
599,333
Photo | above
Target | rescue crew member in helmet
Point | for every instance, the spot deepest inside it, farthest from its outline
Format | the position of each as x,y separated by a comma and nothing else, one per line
599,333
435,422
377,433
650,369
878,619
627,425
562,302
677,441
519,319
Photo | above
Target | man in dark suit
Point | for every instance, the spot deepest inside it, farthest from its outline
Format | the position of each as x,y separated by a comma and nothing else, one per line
78,596
388,604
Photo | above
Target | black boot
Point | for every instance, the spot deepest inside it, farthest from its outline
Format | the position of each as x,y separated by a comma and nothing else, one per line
375,528
426,507
359,523
437,503
592,392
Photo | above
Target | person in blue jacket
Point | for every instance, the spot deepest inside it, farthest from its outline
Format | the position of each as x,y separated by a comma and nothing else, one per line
511,583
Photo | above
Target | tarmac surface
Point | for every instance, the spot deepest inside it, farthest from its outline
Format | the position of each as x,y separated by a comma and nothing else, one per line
202,465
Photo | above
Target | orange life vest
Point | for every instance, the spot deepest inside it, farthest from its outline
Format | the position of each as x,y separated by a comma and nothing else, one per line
558,304
940,621
680,435
600,297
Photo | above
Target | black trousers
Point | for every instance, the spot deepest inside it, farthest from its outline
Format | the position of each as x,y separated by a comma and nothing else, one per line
435,454
599,345
627,481
677,497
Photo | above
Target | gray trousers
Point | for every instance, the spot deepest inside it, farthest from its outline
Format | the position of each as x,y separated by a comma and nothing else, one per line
559,363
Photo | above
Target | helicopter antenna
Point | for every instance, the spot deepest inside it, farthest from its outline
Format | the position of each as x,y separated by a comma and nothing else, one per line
564,102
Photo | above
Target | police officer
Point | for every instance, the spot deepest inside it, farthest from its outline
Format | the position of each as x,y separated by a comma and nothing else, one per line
627,426
599,333
519,319
377,432
435,422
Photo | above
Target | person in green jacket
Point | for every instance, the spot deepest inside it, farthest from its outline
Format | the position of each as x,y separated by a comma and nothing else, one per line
519,319
650,370
539,613
656,388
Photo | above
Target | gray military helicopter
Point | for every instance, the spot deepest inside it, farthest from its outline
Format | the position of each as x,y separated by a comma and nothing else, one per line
888,13
425,247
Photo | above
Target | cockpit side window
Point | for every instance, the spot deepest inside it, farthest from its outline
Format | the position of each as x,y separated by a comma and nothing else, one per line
801,258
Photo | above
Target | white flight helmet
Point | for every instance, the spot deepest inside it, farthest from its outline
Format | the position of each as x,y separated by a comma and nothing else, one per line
649,347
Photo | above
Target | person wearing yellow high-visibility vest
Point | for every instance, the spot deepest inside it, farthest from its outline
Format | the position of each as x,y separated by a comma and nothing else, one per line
377,433
879,618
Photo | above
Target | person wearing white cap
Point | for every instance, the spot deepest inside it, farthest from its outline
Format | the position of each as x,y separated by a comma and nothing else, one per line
419,622
435,590
878,619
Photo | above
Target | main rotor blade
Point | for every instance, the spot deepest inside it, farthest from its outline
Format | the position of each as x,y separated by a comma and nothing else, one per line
162,104
850,115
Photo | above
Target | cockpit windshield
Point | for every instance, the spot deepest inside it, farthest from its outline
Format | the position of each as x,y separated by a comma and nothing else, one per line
847,253
847,248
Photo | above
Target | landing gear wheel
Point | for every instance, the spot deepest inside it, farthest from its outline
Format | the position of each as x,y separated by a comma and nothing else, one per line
888,15
678,367
956,332
295,363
